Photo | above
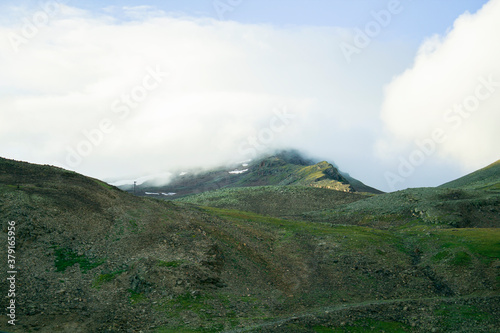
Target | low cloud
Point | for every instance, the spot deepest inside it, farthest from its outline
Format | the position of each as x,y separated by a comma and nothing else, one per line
453,88
80,92
221,86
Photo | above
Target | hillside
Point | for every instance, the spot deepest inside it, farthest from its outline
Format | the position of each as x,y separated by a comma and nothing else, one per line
92,258
277,201
487,178
441,207
283,168
448,207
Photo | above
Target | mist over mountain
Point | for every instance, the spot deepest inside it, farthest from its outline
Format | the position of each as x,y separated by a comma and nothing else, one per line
283,167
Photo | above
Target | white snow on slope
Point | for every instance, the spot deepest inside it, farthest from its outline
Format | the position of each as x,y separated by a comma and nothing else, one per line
238,171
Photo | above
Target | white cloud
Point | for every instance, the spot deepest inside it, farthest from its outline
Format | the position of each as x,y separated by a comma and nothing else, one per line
450,71
225,82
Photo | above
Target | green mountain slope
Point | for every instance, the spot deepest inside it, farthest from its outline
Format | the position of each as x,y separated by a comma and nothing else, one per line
487,178
436,206
91,258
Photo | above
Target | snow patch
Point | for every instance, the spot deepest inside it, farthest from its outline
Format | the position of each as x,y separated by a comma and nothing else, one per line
235,172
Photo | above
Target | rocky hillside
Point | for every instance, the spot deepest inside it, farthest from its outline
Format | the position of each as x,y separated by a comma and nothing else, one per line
276,201
92,258
471,201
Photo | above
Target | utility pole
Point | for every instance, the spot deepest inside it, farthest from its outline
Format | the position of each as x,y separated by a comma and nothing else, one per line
134,186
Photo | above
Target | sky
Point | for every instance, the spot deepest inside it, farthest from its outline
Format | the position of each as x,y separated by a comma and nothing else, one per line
397,93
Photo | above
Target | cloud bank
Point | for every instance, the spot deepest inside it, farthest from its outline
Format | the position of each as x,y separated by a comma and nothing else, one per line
136,91
452,91
160,92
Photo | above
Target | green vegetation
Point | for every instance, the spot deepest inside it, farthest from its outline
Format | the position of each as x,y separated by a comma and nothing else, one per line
187,301
367,325
104,185
441,255
174,263
452,316
358,235
485,178
181,330
103,278
481,241
266,258
193,304
461,259
136,298
65,258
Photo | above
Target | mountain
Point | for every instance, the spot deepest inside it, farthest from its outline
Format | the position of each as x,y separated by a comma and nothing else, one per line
486,178
287,167
92,258
473,205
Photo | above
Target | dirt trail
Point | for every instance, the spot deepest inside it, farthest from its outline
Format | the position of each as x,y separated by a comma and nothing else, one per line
335,308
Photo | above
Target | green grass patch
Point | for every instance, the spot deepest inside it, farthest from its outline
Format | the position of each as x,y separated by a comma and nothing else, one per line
484,242
104,185
66,258
186,302
190,330
368,325
354,237
207,307
312,172
458,246
174,263
136,298
103,278
453,315
461,259
441,255
322,329
494,187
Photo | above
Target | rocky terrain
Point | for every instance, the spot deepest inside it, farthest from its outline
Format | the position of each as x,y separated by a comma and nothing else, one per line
288,258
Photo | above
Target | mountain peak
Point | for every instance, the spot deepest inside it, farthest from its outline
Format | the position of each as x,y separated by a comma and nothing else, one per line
285,167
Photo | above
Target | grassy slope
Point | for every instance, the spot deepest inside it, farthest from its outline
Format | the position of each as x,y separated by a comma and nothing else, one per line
486,178
437,206
94,258
470,201
320,265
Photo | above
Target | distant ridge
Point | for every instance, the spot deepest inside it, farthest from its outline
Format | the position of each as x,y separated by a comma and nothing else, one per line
283,168
485,178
